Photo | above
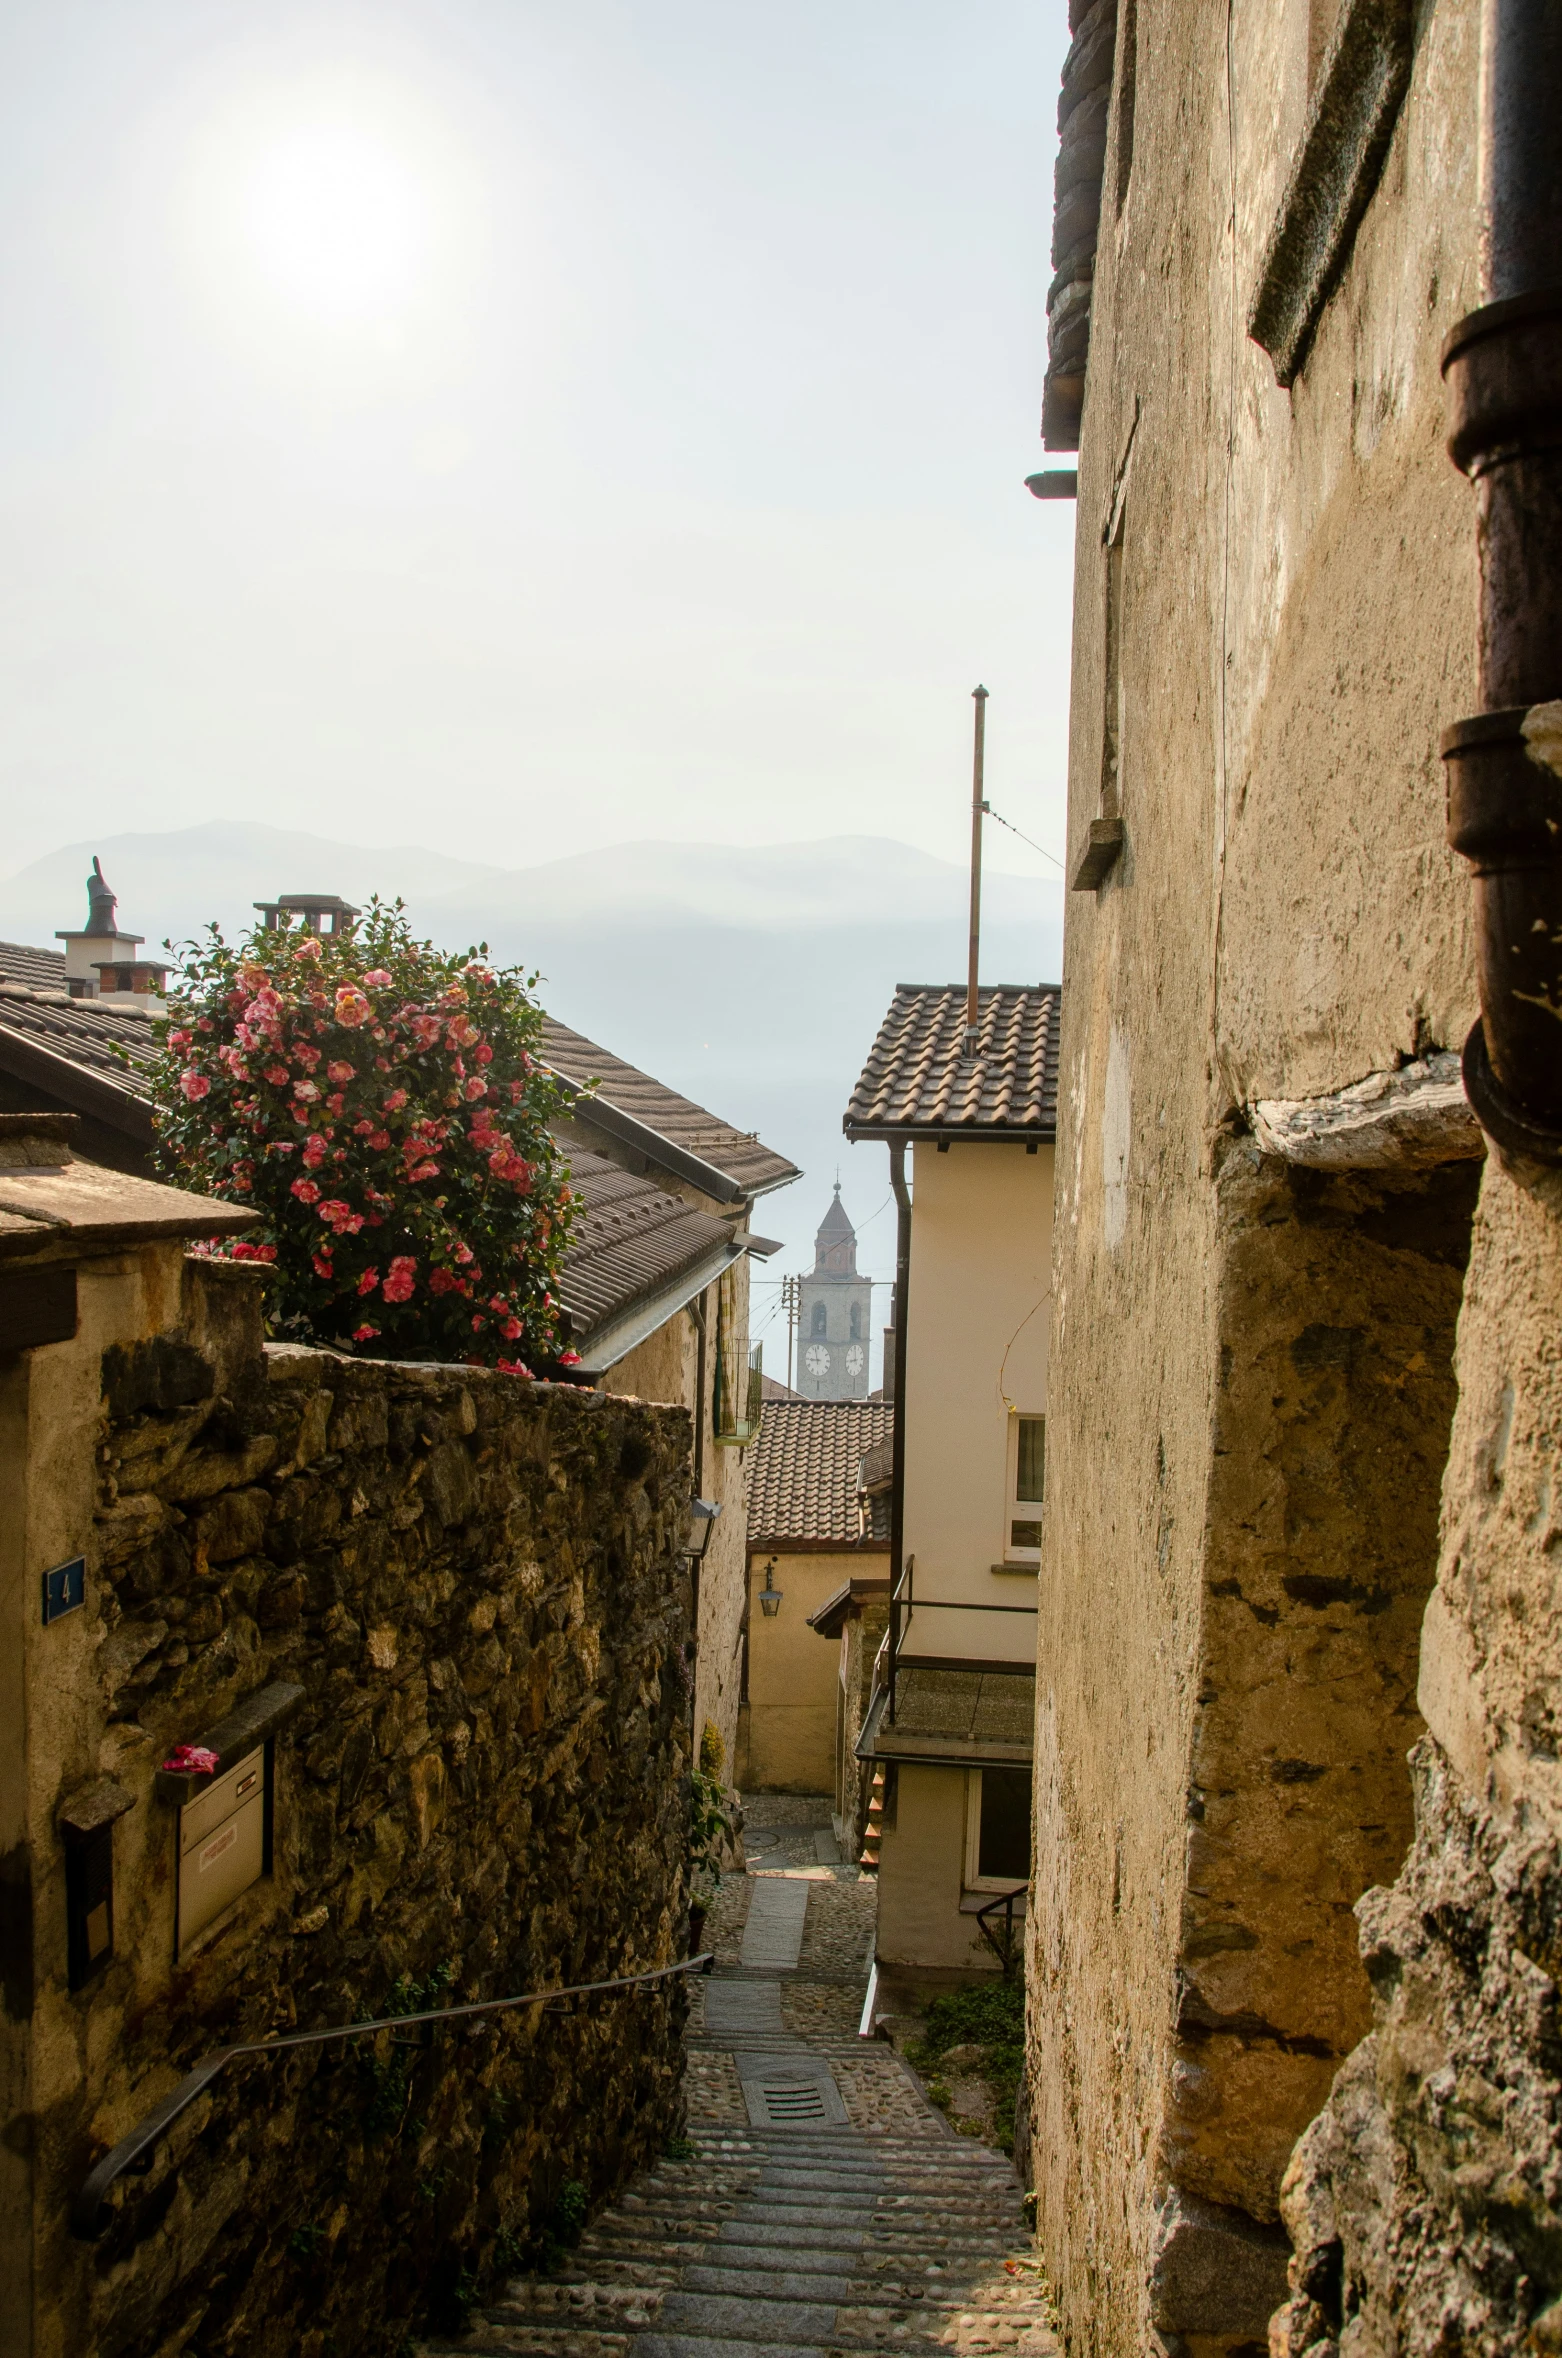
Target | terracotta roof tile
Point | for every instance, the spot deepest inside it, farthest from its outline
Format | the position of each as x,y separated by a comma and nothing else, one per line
804,1473
916,1079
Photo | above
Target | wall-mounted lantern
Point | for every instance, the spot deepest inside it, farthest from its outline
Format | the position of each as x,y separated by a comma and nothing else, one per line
770,1596
702,1522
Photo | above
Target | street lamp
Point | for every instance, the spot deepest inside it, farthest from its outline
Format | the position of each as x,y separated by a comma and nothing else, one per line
770,1596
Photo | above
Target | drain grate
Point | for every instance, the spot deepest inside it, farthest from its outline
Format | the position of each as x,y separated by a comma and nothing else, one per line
793,2103
785,2091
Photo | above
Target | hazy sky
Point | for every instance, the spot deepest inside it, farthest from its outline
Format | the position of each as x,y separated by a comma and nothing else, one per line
518,428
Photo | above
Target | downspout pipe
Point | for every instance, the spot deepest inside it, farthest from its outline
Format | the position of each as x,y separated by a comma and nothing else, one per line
897,1477
1502,366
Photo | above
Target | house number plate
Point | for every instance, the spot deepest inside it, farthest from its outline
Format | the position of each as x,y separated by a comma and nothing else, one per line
64,1589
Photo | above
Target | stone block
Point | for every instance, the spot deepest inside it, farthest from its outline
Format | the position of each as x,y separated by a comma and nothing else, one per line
1214,2270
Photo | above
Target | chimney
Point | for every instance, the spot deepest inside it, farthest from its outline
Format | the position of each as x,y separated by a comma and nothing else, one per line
102,962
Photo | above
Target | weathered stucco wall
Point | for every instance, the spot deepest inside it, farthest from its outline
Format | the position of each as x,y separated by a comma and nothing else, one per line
1272,624
476,1581
793,1676
666,1367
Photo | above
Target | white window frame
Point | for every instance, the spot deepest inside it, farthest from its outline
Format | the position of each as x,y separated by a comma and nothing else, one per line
1017,1509
971,1879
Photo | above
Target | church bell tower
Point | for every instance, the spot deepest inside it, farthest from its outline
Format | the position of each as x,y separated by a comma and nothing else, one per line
833,1314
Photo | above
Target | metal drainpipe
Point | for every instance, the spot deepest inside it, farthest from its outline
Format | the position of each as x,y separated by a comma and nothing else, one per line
897,1480
697,1313
1503,368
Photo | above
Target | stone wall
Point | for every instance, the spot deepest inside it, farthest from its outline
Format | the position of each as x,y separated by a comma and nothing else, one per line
1426,2201
476,1582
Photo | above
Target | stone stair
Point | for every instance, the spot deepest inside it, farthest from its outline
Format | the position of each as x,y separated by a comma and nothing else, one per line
792,2244
827,2210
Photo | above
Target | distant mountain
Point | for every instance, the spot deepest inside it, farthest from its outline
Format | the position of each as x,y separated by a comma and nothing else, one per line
754,977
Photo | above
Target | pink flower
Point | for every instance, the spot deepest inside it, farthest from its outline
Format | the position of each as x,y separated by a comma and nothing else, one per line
265,1007
569,1359
444,1281
314,1151
253,979
279,1074
180,1039
309,947
364,1334
191,1760
424,1171
307,1090
336,1070
482,1053
322,1264
352,1008
376,979
305,1190
399,1283
463,1254
512,1367
245,1251
195,1085
336,1101
475,1089
394,1103
425,1030
340,1216
379,1139
307,1057
369,1280
512,1330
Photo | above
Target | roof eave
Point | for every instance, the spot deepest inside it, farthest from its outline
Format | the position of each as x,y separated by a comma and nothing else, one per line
602,1114
77,1085
952,1133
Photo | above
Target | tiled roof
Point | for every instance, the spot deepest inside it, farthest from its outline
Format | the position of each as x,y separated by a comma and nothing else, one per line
917,1083
751,1167
41,970
631,1239
81,1032
803,1475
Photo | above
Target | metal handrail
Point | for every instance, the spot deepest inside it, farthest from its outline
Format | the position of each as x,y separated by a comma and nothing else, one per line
1004,1950
87,2218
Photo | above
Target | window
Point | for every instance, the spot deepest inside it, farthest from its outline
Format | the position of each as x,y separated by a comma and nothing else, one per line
856,1333
819,1318
997,1838
1027,1489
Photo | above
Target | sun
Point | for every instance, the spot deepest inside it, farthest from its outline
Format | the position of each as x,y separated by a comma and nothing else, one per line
337,218
338,211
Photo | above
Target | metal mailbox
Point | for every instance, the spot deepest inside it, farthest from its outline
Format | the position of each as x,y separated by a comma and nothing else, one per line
222,1844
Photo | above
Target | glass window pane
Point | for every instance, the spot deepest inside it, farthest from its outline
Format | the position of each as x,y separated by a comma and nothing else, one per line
1024,1535
1031,1478
1004,1848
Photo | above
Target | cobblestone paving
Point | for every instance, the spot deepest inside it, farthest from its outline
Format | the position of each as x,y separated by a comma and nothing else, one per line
789,2232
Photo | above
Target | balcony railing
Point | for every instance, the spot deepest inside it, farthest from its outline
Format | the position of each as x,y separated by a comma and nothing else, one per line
886,1664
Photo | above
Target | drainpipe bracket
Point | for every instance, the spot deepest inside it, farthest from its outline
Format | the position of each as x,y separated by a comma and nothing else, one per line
1506,1124
1502,366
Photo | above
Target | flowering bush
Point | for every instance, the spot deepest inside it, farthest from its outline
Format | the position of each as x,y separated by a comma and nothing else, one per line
379,1104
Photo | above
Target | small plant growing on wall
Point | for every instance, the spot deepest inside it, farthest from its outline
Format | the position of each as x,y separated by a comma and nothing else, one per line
380,1104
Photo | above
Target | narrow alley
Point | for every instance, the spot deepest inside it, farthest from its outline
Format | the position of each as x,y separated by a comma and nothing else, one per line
819,2203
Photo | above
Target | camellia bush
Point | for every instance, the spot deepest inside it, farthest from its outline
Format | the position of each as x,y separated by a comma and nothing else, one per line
380,1105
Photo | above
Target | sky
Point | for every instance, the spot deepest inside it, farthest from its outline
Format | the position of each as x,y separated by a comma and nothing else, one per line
520,429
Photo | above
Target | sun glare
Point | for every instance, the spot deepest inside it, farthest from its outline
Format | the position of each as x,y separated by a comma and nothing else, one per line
337,211
337,219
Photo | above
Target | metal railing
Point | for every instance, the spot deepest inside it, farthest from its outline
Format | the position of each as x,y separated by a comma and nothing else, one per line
904,1591
1002,1946
135,2150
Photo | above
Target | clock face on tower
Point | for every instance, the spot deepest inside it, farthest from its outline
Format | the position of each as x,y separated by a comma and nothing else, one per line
854,1360
817,1360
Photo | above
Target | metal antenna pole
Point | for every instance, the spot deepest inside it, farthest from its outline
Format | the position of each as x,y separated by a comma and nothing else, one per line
978,805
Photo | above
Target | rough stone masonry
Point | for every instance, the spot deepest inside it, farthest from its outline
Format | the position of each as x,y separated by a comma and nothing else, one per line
476,1582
